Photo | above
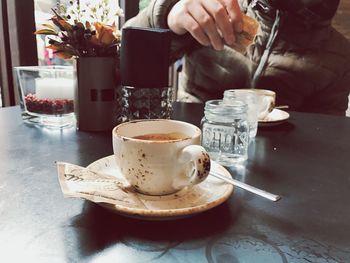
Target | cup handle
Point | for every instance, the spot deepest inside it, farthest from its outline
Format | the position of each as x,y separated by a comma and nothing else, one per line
268,107
197,163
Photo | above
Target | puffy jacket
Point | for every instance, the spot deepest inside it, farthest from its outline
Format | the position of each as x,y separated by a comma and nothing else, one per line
297,53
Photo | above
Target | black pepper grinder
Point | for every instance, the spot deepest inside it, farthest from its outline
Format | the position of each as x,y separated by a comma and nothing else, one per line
144,68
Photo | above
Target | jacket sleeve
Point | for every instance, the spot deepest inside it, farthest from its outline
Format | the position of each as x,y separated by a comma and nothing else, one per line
155,16
309,9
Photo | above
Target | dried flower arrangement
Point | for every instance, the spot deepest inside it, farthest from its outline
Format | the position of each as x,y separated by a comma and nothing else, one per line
84,30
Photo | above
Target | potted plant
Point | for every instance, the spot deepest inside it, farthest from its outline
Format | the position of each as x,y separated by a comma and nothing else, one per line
88,33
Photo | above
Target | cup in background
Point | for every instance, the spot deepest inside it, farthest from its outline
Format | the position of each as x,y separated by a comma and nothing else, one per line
266,102
159,156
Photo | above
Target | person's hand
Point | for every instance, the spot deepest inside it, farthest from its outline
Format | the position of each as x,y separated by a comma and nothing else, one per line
210,22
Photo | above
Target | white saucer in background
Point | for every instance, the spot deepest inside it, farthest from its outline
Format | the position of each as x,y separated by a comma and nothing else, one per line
275,117
189,201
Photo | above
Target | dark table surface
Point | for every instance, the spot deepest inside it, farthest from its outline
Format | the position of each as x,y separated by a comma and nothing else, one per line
306,160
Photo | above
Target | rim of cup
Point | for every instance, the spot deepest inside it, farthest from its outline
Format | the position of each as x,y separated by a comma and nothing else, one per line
196,132
263,91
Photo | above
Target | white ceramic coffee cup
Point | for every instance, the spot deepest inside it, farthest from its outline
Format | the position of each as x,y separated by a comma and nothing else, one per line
266,102
160,167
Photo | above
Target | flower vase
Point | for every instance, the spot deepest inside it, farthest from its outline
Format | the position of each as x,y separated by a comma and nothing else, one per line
96,94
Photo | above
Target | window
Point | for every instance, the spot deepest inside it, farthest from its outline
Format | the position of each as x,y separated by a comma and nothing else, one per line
20,47
42,14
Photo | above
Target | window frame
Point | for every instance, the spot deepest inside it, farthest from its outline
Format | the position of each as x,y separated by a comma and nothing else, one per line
131,9
18,48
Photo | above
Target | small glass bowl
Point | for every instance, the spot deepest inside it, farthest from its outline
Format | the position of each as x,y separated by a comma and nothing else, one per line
46,95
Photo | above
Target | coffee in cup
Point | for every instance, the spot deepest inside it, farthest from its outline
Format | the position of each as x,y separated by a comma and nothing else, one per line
159,157
162,136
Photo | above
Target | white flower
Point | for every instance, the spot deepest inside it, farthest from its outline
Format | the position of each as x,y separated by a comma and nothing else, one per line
105,11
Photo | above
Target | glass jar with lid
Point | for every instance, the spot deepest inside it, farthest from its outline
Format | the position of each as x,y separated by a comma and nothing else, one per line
225,131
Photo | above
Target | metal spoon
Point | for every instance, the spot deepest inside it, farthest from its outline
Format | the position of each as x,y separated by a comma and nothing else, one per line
247,187
281,107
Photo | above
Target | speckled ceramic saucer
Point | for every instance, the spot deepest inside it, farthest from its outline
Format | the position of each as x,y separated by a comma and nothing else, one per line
189,201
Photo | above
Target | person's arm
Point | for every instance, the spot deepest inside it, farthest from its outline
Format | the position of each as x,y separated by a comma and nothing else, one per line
211,22
155,16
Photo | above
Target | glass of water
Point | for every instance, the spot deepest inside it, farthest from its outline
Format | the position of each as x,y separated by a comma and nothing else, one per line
225,131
